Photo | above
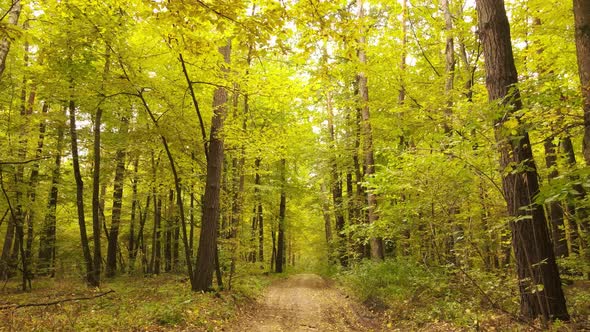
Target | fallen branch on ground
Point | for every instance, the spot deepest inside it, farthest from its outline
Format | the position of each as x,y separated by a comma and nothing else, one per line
16,306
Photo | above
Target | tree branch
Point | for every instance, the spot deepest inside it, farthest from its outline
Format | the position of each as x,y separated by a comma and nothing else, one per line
43,304
21,162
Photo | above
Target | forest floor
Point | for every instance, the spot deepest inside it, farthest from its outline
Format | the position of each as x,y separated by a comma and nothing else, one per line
257,302
305,302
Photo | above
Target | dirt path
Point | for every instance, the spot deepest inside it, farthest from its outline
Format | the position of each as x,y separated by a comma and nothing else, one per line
306,302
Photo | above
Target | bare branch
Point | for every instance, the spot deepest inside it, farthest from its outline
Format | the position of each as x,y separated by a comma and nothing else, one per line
43,304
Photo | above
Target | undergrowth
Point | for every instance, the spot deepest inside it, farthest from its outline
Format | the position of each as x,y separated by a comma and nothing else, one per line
158,303
411,296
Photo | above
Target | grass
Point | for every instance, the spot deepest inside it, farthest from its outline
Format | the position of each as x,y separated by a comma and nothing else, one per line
159,303
410,296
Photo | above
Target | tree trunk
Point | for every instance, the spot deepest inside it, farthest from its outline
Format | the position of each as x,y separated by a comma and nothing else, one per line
555,209
13,15
205,263
111,268
376,242
96,210
327,218
576,214
156,247
540,284
48,234
339,221
582,35
169,215
132,243
280,257
90,275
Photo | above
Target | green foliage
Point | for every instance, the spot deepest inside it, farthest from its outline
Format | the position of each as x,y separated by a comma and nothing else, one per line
394,281
162,303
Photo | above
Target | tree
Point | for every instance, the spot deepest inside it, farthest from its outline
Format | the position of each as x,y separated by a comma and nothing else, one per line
208,237
13,15
582,35
539,282
367,135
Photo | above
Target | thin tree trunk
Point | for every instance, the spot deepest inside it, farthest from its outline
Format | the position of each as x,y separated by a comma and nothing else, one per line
555,209
96,210
280,258
48,232
576,213
156,243
327,218
112,248
134,202
258,211
535,260
90,275
339,221
168,233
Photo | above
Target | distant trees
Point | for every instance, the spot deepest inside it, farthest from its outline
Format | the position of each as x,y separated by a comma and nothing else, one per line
338,132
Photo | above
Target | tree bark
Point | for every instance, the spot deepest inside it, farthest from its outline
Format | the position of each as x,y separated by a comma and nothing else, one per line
13,15
555,209
280,257
336,185
206,253
576,214
96,210
375,242
540,284
90,275
134,203
111,268
48,234
582,36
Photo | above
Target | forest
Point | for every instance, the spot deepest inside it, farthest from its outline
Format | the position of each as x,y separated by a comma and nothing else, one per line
304,165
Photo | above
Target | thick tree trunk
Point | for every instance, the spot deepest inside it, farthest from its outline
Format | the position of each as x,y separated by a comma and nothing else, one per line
540,285
375,242
13,15
90,275
208,237
582,35
6,264
280,257
111,268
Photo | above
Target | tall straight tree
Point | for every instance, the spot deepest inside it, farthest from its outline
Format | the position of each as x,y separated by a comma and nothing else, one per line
280,257
208,237
48,232
539,283
113,240
367,135
90,275
582,34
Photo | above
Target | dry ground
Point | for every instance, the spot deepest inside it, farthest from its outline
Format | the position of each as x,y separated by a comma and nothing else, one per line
305,302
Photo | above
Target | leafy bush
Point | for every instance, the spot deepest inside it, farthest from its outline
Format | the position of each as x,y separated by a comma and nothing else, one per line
392,281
